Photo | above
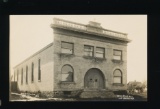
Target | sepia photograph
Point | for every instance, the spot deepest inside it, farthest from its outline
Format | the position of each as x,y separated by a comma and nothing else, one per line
78,58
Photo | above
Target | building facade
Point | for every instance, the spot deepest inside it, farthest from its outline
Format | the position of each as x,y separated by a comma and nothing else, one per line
81,57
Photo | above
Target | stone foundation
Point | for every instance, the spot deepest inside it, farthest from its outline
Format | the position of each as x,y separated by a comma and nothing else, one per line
73,94
97,94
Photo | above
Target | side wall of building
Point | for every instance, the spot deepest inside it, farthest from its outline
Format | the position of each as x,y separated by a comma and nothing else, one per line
81,64
46,67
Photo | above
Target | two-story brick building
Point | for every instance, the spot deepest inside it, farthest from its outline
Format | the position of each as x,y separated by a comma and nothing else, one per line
81,57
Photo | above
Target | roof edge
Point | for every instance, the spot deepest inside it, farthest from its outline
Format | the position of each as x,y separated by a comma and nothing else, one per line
44,48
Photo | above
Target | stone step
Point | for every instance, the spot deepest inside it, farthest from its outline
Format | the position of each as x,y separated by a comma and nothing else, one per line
97,94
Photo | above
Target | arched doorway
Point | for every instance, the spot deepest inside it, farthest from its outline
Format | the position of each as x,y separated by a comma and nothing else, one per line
94,79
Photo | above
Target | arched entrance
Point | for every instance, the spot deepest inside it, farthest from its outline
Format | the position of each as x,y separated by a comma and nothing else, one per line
94,79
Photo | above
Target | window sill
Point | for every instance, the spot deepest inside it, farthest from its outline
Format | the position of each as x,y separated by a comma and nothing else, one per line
117,61
98,58
95,58
65,82
118,84
39,80
88,57
66,54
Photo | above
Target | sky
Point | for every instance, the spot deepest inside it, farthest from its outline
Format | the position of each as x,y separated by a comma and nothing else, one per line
30,33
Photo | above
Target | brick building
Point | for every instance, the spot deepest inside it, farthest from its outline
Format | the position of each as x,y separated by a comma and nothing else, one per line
81,58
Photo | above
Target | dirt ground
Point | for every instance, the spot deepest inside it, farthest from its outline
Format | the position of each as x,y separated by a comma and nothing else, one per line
130,97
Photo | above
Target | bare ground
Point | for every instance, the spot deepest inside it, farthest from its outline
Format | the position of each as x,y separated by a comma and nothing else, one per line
129,97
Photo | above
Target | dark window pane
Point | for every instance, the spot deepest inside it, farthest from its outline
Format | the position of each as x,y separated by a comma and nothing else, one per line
39,69
27,74
17,75
22,77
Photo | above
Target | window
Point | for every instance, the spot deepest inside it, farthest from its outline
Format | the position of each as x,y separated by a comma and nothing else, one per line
67,73
117,77
67,48
88,50
26,74
117,55
39,69
100,52
17,74
32,74
22,76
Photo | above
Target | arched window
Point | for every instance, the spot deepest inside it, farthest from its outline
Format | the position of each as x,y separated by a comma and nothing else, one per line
117,77
67,73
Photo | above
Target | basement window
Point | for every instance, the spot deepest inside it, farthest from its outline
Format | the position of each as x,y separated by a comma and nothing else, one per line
67,92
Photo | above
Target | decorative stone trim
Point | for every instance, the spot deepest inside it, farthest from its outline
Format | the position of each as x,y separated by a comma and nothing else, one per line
88,57
65,82
118,84
117,61
100,59
95,59
66,55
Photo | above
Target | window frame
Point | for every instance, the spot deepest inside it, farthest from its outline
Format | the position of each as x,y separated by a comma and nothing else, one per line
67,73
22,76
32,72
100,53
121,77
17,74
117,55
87,51
65,48
26,74
39,69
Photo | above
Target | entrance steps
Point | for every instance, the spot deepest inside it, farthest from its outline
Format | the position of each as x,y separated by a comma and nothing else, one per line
97,94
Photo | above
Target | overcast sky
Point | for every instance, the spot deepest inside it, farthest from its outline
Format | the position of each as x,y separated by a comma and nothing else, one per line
30,33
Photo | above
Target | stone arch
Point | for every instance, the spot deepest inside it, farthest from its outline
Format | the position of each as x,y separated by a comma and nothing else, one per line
94,79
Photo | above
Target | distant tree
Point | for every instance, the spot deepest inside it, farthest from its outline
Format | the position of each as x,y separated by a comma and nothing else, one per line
135,85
